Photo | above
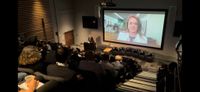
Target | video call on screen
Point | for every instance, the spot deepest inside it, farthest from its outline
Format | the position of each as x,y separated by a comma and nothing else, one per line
151,27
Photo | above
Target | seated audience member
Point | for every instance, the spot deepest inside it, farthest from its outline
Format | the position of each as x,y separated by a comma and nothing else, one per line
33,40
50,57
48,44
60,69
107,66
90,65
132,68
30,57
111,74
20,44
116,61
43,49
117,64
62,54
97,57
74,60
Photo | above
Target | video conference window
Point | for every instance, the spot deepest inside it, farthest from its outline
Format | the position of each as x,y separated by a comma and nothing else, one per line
135,27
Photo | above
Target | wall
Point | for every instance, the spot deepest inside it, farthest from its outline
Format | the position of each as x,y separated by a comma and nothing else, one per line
30,14
62,16
89,7
83,8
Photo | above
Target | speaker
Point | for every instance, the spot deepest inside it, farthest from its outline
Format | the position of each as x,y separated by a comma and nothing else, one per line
90,22
178,28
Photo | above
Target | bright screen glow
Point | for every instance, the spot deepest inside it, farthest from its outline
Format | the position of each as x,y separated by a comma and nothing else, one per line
134,27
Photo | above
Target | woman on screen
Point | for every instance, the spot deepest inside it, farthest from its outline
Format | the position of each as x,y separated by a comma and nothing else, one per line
133,33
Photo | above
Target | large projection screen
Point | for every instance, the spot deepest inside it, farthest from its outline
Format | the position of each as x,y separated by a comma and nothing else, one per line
139,27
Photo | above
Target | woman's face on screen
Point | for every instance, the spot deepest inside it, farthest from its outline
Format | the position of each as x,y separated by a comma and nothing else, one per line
132,26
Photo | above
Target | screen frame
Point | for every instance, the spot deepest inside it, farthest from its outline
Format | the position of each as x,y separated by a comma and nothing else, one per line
137,9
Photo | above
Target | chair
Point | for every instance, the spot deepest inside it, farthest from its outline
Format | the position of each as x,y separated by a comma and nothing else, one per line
60,71
26,70
48,77
50,86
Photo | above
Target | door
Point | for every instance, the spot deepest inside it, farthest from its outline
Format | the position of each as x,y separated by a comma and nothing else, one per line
69,38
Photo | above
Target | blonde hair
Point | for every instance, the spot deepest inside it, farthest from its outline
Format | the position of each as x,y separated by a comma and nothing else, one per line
29,55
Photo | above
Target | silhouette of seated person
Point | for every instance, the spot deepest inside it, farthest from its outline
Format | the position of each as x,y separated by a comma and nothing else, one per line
118,62
90,64
60,68
33,40
30,57
107,66
74,59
